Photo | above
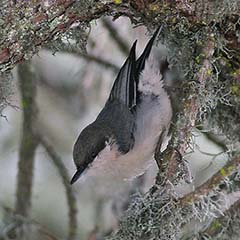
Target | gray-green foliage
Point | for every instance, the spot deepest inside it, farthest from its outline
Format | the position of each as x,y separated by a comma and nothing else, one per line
220,97
160,216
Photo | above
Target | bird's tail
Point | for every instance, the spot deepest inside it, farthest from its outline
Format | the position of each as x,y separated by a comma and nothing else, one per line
151,78
151,68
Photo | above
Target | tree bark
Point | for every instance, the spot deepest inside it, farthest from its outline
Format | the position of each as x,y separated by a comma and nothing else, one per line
27,25
28,145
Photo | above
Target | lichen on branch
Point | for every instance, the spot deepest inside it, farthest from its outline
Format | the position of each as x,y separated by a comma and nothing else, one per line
25,26
160,215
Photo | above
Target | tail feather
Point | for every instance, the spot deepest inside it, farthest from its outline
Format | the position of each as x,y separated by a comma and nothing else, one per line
151,78
124,87
150,69
146,71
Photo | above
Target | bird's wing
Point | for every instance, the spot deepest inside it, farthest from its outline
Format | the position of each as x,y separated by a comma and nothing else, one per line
118,112
124,87
119,121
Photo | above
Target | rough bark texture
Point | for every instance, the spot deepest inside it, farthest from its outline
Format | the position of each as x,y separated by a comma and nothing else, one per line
27,25
27,83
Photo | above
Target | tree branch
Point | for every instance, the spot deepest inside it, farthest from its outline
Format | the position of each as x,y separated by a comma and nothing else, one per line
28,142
72,204
116,37
30,139
88,57
161,215
213,138
99,61
42,26
181,136
28,25
228,170
19,227
224,223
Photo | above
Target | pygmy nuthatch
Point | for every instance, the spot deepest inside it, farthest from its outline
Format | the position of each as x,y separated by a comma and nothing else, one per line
121,141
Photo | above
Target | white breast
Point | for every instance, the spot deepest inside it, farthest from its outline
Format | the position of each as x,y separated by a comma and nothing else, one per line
152,116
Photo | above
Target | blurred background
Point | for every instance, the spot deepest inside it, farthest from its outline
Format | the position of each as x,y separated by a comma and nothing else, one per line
72,88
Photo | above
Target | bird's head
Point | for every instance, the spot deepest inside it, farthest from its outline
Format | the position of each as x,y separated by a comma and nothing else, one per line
89,143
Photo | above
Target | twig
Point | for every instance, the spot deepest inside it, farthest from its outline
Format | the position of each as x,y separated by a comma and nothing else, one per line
72,204
231,167
28,142
115,36
163,215
218,224
15,226
89,57
99,61
213,138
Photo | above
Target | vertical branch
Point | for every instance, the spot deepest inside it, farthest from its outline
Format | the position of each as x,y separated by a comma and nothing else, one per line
28,143
186,122
72,204
31,137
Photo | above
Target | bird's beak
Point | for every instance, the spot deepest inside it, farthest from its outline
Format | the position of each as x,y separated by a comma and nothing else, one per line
76,176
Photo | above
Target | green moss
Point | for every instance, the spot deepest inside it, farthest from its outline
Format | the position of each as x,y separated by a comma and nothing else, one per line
117,1
235,89
24,103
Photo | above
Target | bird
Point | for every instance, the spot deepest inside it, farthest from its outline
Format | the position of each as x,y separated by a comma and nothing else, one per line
121,142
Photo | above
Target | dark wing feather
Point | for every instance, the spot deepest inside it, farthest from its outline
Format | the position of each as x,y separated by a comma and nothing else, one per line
124,87
119,121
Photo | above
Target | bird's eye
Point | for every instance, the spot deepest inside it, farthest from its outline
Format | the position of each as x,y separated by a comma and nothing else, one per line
93,155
